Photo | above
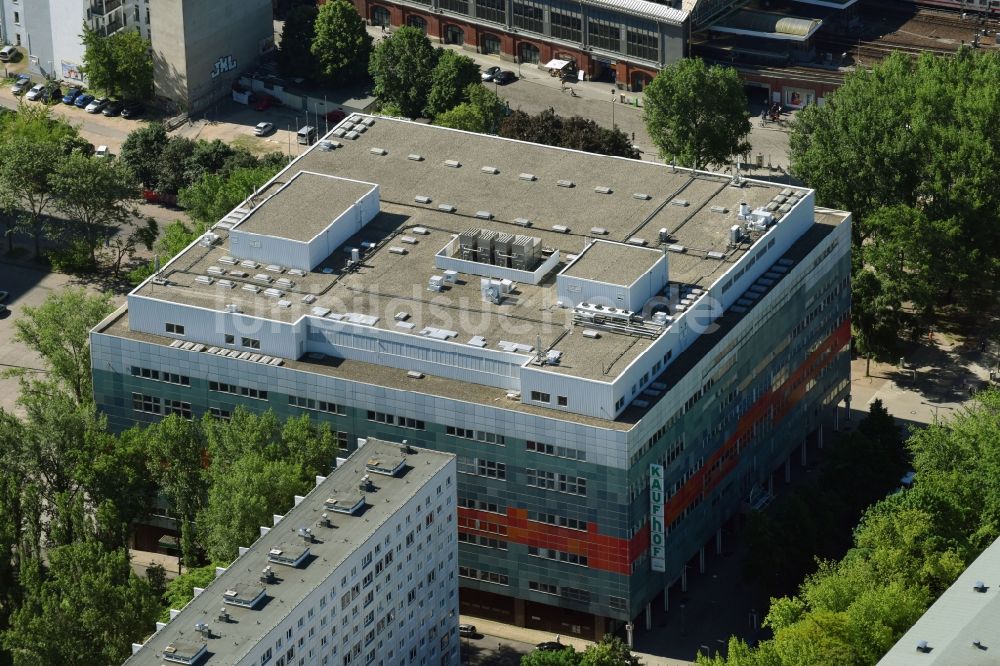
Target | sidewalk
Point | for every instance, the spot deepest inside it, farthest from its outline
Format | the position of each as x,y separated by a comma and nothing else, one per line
534,637
143,559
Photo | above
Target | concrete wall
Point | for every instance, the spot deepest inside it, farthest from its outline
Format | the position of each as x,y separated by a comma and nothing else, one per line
199,48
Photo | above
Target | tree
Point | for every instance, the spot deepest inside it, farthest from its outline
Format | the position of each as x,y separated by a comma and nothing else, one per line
565,657
96,195
483,112
211,198
24,181
171,170
696,114
181,589
141,152
124,245
120,64
609,651
402,67
342,45
311,446
450,81
59,330
295,58
242,498
207,157
876,317
577,133
86,608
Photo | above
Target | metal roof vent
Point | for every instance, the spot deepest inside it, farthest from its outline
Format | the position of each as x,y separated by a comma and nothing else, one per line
715,254
635,240
677,248
484,215
422,199
720,209
454,164
922,646
679,202
560,228
414,157
599,231
527,176
565,183
447,208
601,189
492,170
522,221
980,586
378,151
641,195
352,135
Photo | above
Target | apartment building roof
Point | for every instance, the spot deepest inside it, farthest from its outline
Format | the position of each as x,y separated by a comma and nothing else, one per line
266,584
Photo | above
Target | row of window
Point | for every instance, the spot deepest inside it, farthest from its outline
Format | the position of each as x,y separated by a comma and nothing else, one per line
483,525
558,451
480,505
482,467
245,391
483,575
541,396
151,404
558,521
564,483
317,405
477,435
157,375
566,592
392,419
482,540
558,555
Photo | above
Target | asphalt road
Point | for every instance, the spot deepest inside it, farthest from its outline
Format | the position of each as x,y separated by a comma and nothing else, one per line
485,650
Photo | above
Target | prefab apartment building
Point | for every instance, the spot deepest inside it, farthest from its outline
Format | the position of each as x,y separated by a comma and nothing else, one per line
619,353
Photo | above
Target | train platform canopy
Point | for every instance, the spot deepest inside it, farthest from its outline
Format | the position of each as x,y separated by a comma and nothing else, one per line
768,25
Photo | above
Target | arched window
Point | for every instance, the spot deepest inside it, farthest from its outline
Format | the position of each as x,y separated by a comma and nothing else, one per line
491,44
527,52
454,35
380,16
417,22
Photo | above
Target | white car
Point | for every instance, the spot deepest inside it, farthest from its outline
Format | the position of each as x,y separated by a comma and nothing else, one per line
35,92
102,152
98,105
263,129
488,74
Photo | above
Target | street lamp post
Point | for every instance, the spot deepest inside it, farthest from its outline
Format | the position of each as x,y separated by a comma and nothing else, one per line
612,108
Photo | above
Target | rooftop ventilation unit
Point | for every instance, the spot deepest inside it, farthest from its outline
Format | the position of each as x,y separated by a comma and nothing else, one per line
446,208
274,293
922,646
565,183
454,164
227,284
635,240
215,270
262,277
309,299
527,176
251,287
395,249
368,121
522,221
227,260
414,157
484,215
232,308
204,279
284,305
274,268
326,145
602,189
599,231
352,135
348,125
249,263
641,195
413,374
492,170
409,240
980,586
378,151
560,228
320,311
735,235
715,254
591,333
679,202
719,209
436,283
677,248
422,199
420,231
284,283
239,274
339,132
477,341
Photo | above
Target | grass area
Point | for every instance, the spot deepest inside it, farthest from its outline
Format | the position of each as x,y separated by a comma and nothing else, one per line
252,144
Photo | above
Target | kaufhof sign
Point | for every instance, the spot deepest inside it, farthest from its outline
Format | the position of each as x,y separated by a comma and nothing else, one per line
657,531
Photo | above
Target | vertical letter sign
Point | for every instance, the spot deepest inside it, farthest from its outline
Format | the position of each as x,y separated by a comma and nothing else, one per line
657,555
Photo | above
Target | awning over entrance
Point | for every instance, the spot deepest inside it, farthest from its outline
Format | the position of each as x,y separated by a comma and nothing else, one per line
556,64
768,25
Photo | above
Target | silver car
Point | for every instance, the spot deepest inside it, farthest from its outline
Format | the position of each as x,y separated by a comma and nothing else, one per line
35,93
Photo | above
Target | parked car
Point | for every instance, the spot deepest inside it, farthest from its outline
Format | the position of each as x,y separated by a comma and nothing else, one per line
114,108
35,92
133,110
9,54
102,152
265,102
83,100
489,73
72,94
21,84
97,105
263,129
467,630
504,76
335,116
52,94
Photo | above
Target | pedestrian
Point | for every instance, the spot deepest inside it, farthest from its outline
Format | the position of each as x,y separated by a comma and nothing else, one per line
383,28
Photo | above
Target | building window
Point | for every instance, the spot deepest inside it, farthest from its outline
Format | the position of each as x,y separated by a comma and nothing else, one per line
604,34
222,387
558,451
221,414
562,400
485,576
529,15
482,540
574,594
617,603
538,396
182,409
558,555
491,44
230,339
343,441
642,43
379,417
482,467
251,343
17,18
480,505
559,521
457,6
176,329
545,588
145,403
257,394
492,10
564,483
566,26
156,375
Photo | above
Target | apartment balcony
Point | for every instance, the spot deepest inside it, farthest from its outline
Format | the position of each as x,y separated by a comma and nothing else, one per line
101,8
112,26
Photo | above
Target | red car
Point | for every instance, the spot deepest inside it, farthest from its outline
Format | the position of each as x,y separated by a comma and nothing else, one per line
265,102
335,116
